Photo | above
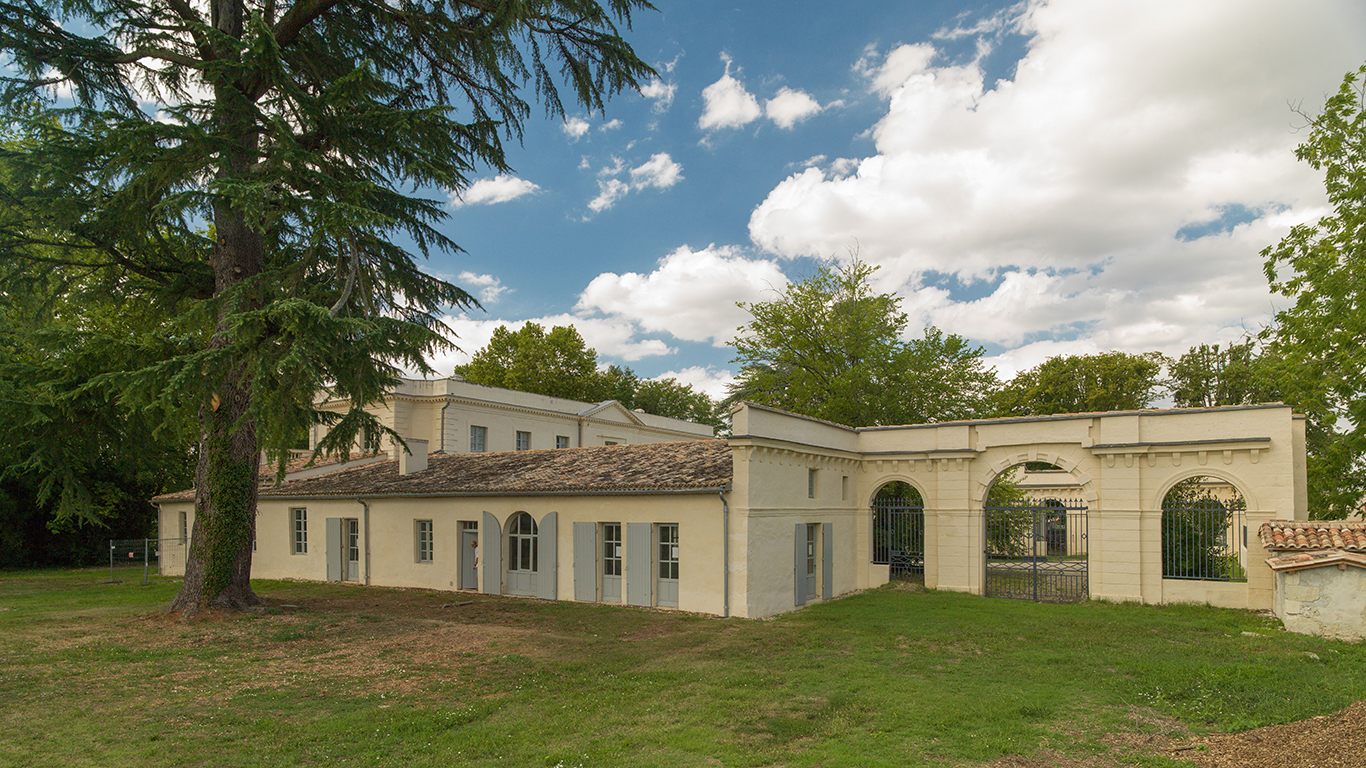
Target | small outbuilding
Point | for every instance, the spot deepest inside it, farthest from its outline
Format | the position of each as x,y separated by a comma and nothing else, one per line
1320,568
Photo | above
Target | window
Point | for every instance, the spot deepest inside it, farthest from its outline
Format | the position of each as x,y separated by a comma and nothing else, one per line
611,549
184,527
668,551
523,441
609,442
300,531
810,483
522,543
844,488
424,541
561,441
479,439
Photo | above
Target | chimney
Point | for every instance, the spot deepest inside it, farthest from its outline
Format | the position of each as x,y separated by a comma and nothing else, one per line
414,462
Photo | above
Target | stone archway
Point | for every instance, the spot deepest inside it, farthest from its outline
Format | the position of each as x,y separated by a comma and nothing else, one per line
898,530
1035,534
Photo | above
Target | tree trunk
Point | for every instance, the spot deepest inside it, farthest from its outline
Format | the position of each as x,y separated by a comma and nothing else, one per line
218,569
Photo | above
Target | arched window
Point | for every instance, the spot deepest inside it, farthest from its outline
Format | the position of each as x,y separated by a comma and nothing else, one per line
521,544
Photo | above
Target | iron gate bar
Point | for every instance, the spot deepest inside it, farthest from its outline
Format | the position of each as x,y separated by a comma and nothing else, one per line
898,533
1037,552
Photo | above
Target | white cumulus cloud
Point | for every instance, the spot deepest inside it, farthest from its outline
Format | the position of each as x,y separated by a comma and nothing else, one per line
1115,193
609,192
488,287
661,93
691,295
575,127
727,103
659,172
499,189
790,107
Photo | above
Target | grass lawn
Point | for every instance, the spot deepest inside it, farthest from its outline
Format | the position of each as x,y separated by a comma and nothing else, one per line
92,675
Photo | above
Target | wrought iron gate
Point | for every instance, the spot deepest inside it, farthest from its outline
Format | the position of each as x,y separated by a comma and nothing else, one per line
1037,552
899,538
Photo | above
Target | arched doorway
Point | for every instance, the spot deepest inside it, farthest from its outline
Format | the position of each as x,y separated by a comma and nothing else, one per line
898,513
1036,536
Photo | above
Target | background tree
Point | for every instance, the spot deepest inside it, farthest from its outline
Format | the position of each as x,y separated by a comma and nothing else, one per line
289,127
831,348
1111,381
560,364
1321,267
76,464
1207,376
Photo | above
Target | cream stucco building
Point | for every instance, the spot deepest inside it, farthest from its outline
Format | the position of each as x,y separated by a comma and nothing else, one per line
779,514
454,416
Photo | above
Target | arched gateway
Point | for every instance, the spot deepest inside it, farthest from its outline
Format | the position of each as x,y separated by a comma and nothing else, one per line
1060,508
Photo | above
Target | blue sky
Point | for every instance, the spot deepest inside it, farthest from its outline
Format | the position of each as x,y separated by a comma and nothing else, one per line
1047,177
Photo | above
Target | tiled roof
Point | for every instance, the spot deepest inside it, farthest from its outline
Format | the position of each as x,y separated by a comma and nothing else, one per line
1298,561
300,463
1292,535
694,465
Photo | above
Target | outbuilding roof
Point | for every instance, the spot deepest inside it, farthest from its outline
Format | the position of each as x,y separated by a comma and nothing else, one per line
1304,535
695,465
1299,561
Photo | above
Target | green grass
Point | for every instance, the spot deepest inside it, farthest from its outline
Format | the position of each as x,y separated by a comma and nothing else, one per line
92,675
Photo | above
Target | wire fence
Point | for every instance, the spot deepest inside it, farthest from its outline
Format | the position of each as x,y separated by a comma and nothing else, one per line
140,558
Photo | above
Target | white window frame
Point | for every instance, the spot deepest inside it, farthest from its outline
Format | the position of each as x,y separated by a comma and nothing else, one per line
611,549
561,441
523,440
299,530
424,542
523,544
479,439
667,553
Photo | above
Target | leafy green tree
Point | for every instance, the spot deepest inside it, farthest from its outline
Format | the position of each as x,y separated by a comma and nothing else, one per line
669,397
831,348
290,129
1112,381
560,364
1241,374
77,464
1207,376
1321,267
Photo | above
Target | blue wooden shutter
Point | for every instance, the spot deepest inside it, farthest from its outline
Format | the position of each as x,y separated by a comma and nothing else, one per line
639,564
491,558
585,562
547,572
827,561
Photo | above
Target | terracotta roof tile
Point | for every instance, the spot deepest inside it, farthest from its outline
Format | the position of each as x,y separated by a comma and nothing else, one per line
1291,535
693,465
1298,561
